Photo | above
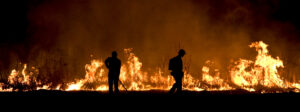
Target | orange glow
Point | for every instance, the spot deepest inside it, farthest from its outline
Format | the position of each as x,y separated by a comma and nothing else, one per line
252,75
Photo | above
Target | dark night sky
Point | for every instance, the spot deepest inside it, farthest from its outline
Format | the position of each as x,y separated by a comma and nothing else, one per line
14,22
18,33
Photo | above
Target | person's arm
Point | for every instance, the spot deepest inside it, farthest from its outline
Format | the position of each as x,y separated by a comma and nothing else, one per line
107,63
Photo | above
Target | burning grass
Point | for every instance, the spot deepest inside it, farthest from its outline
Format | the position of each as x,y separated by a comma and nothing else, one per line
259,76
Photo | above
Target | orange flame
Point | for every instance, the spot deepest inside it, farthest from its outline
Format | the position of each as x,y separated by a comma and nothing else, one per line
214,82
263,71
251,75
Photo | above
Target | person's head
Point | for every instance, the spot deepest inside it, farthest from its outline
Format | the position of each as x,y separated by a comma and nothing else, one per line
114,54
181,53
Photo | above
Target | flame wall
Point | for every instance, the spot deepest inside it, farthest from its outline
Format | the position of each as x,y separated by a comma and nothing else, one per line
61,35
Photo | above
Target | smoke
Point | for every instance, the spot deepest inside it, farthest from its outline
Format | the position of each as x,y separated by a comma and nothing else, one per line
63,34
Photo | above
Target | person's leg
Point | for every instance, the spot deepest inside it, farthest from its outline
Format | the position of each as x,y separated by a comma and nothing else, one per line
179,85
110,84
179,82
116,80
172,90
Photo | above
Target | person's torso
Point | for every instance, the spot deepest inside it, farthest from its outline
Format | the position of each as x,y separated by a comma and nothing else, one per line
114,64
177,64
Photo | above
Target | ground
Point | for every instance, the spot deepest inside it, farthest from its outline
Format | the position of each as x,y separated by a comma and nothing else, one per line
145,100
150,93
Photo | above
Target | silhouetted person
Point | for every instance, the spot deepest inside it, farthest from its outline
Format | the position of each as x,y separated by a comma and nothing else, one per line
175,65
114,65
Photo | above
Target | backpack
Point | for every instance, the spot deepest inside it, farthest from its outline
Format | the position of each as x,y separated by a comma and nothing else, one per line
171,64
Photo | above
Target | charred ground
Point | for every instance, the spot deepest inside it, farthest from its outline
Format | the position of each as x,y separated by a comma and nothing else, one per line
150,93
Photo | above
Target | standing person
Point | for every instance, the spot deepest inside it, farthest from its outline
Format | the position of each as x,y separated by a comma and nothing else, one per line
114,65
175,65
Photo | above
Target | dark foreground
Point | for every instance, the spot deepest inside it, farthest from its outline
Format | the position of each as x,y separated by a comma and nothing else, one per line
147,99
150,93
